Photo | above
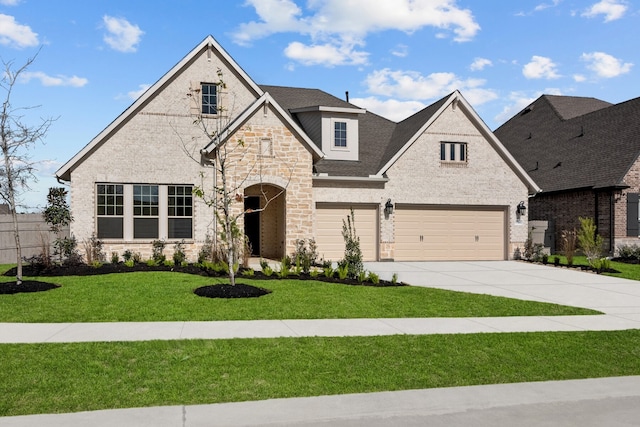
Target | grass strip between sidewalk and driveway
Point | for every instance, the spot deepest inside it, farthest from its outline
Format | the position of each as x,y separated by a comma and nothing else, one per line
168,296
55,378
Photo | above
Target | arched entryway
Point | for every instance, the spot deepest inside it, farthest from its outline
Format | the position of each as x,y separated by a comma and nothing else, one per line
264,222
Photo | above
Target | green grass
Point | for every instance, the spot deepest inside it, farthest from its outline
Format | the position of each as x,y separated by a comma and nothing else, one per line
51,378
624,270
168,296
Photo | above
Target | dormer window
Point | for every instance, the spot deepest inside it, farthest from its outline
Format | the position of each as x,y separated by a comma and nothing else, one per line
340,134
209,98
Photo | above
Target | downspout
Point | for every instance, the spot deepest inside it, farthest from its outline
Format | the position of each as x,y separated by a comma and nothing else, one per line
612,222
596,218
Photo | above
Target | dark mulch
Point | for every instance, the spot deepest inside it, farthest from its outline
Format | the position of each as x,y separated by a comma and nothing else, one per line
26,286
239,290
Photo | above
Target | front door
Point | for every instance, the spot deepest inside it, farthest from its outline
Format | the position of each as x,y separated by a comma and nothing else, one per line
252,223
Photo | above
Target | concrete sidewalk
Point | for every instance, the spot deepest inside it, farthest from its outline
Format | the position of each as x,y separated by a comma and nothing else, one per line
607,402
593,402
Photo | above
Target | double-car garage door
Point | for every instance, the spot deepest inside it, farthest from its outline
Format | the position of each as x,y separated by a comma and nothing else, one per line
447,234
421,233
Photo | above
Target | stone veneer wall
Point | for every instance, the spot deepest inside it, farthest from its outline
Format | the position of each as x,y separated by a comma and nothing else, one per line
418,177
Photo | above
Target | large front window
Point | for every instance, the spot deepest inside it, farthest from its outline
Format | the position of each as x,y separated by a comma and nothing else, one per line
144,211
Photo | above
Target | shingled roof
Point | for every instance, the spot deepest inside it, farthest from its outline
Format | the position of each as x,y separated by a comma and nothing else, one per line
380,138
568,143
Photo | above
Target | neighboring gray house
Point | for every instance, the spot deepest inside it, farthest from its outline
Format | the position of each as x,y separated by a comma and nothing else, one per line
436,186
583,153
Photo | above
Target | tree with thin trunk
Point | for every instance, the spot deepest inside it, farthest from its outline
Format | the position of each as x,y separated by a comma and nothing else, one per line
229,188
17,137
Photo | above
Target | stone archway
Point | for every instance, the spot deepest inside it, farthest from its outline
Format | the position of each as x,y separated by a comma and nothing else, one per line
265,227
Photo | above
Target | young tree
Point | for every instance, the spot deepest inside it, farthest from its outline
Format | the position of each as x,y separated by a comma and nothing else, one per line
58,215
16,138
229,188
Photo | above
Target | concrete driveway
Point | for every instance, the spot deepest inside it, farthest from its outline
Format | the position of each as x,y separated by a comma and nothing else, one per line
522,280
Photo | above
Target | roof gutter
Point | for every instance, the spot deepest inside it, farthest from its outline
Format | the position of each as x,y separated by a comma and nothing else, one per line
370,178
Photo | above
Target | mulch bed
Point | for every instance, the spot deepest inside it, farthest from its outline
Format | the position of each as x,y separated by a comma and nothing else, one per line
210,291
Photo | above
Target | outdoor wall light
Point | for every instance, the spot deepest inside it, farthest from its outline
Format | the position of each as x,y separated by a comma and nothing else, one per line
521,209
388,207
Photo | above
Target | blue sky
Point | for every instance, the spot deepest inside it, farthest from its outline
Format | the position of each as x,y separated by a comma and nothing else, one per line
393,56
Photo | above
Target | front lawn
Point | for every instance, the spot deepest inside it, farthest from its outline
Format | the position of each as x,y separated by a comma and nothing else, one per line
168,296
50,378
622,270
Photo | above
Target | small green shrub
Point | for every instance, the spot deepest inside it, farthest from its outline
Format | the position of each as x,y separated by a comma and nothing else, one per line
590,241
352,252
362,276
129,263
127,255
115,258
314,273
137,257
151,262
96,264
394,278
373,278
545,258
328,271
157,249
285,268
343,271
178,253
168,263
556,261
248,272
267,271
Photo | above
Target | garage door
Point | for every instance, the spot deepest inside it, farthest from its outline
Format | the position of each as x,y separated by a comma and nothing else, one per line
423,234
328,230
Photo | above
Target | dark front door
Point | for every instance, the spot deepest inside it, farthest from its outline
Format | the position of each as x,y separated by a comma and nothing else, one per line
252,223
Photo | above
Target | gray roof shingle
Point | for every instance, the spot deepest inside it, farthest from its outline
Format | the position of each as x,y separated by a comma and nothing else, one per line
567,143
379,140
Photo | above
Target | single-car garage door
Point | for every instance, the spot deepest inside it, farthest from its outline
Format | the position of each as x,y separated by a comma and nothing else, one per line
449,234
328,230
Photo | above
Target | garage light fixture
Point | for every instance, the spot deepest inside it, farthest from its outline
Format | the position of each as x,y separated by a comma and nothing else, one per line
388,207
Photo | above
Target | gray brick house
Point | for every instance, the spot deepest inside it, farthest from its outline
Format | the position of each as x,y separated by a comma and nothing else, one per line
436,186
583,154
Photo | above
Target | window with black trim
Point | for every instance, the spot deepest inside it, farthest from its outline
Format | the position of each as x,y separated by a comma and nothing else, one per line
209,98
110,211
145,211
339,134
180,211
453,152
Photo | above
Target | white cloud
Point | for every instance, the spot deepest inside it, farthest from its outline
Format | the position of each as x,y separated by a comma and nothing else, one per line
9,2
59,80
479,64
412,85
579,78
121,34
543,6
540,67
391,109
16,35
135,94
611,9
344,24
400,51
605,65
325,54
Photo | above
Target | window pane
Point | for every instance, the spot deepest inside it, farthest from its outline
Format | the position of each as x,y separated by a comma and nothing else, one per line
452,150
443,151
463,149
180,228
145,228
110,228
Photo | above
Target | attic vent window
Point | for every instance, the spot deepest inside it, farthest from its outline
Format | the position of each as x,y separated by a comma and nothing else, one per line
209,98
453,152
340,134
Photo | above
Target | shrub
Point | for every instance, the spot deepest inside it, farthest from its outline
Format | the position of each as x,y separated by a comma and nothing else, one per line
137,257
67,248
343,271
362,276
374,278
556,261
314,273
394,278
267,271
568,244
178,253
151,262
115,258
127,255
545,258
157,251
248,272
285,268
96,264
306,253
352,252
328,271
590,242
93,250
129,263
629,252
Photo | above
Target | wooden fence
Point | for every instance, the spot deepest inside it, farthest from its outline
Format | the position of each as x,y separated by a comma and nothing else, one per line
33,231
